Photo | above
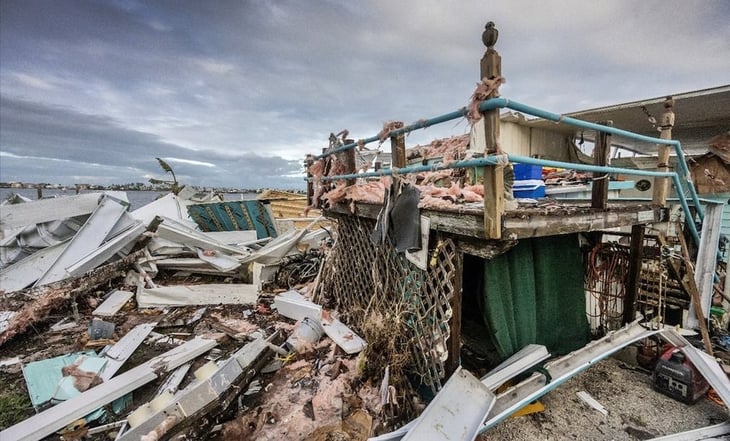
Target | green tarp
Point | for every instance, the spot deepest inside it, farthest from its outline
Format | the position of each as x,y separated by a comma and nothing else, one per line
534,294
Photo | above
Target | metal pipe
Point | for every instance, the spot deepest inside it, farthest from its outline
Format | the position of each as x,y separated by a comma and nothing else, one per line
495,103
420,124
524,108
493,160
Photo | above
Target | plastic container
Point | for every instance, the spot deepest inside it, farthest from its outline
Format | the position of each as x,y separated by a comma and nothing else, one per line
306,333
526,172
532,188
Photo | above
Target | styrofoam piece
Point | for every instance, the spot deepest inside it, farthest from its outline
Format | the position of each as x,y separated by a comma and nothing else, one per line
210,294
113,303
45,423
457,411
343,336
293,305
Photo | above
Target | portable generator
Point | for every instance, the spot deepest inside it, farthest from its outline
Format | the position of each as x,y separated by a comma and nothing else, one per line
676,377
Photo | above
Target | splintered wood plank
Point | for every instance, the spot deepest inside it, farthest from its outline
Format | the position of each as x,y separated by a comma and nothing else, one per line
113,303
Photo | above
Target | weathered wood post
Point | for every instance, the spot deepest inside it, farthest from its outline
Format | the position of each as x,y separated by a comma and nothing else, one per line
666,122
601,151
351,168
398,146
636,253
491,69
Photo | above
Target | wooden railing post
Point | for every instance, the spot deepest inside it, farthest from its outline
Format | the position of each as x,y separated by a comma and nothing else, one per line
490,69
398,147
601,151
661,185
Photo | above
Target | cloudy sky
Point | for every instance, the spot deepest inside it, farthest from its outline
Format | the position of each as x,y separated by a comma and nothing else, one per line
235,93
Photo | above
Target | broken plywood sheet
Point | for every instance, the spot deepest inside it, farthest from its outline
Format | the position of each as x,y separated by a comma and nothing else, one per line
211,294
59,416
115,302
457,411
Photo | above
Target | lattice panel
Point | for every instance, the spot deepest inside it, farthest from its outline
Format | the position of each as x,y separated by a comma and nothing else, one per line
358,278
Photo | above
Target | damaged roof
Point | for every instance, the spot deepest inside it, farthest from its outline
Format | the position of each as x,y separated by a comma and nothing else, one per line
700,116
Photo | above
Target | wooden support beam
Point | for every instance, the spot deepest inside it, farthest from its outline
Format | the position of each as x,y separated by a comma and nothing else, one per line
491,69
695,293
493,201
661,185
398,147
350,167
632,284
601,152
454,343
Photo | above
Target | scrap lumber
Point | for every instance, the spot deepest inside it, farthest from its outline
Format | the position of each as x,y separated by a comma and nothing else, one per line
212,391
59,416
32,305
209,294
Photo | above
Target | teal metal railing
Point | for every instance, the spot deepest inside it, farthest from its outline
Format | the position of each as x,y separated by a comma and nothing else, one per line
680,180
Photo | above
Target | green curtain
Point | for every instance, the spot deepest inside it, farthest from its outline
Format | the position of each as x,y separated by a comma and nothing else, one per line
534,294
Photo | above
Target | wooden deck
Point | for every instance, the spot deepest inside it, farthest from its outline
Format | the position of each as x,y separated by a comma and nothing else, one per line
548,217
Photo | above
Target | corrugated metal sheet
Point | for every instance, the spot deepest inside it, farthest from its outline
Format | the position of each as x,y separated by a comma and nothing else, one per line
233,216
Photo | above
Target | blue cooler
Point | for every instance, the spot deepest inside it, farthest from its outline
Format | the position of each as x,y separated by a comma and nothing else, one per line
524,172
529,188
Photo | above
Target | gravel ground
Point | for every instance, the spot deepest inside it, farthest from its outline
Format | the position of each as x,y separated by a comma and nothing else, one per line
635,410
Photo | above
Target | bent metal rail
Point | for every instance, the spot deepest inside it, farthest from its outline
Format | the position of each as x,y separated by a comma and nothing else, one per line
680,180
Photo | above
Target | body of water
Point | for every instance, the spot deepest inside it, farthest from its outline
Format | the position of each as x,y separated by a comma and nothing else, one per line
136,198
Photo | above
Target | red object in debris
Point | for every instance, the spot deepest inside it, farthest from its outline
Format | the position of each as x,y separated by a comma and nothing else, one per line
676,377
263,309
